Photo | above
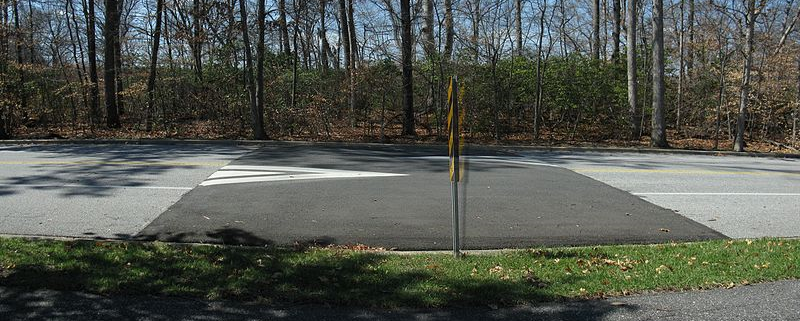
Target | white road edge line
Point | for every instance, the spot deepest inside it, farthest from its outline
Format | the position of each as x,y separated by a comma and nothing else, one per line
721,194
509,160
97,186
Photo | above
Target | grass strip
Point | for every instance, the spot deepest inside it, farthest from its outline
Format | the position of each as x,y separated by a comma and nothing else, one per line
347,277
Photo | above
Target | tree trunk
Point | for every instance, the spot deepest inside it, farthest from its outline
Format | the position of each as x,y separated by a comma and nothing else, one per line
739,143
632,81
118,61
324,47
345,33
197,42
91,51
690,44
537,109
151,78
476,21
596,30
721,95
408,87
448,26
658,136
796,111
615,31
3,62
260,48
681,64
23,96
257,123
428,43
518,25
284,29
111,36
351,26
80,65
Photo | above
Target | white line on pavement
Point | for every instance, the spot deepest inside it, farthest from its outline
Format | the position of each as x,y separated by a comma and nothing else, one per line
510,160
721,194
234,174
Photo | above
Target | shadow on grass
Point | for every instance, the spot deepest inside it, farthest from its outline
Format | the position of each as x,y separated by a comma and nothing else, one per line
274,275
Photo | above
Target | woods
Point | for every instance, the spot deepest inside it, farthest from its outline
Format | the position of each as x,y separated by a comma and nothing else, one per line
533,71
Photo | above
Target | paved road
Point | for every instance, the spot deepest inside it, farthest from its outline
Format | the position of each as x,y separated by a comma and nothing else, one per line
391,196
98,190
741,197
400,198
773,301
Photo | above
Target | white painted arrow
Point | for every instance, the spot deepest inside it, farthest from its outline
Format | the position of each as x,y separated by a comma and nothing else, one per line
236,174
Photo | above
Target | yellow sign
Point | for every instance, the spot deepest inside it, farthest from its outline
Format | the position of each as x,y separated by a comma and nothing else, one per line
454,129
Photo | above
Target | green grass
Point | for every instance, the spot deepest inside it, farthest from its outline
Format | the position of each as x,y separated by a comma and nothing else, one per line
346,277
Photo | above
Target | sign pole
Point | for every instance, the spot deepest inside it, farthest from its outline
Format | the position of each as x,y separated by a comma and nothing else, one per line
455,171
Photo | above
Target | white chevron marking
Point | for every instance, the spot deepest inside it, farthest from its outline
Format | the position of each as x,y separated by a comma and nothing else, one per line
236,174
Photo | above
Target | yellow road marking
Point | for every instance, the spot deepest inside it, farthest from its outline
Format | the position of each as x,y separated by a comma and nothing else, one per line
678,171
118,163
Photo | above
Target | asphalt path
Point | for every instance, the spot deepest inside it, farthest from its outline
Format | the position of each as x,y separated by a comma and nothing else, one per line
741,197
399,197
772,301
104,191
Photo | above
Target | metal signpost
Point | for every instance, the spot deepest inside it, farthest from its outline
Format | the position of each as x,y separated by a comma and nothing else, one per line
454,145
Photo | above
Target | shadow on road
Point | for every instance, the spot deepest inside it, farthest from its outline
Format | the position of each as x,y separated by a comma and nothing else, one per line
98,170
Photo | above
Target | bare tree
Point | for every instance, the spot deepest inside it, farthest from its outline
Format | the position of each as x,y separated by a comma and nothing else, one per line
260,48
197,38
151,78
615,31
750,21
428,43
351,27
23,96
449,31
324,47
537,109
681,65
111,37
690,44
408,86
633,85
658,136
596,30
284,29
518,24
257,117
91,51
345,32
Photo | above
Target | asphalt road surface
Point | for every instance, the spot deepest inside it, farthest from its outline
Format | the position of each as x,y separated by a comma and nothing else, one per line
399,197
741,197
390,196
108,191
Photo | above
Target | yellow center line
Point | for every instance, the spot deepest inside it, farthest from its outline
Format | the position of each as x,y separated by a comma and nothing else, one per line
678,171
117,163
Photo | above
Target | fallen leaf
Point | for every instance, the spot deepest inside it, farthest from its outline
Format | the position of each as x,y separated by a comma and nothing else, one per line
496,269
663,268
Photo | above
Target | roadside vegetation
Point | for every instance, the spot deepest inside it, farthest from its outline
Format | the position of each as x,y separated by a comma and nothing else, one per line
684,74
350,276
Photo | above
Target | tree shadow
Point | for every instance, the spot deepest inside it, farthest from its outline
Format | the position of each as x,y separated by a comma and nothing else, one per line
99,170
252,283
